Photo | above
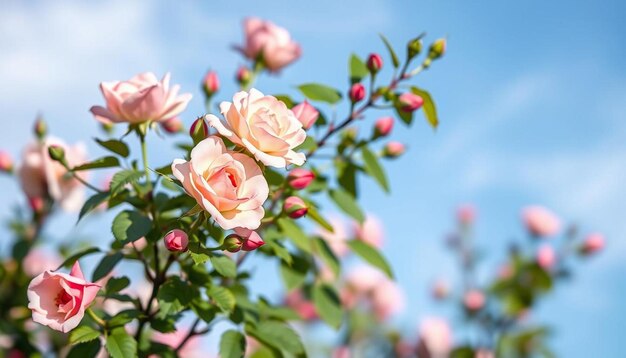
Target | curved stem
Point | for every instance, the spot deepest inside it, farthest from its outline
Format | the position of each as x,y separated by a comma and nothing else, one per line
95,317
84,182
144,156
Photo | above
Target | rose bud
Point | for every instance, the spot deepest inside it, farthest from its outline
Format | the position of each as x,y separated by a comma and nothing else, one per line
243,76
6,162
199,130
410,102
414,47
546,257
437,49
295,207
210,84
383,127
473,300
593,243
250,239
176,240
300,178
393,150
357,92
57,153
40,128
540,222
172,125
36,204
374,63
440,289
466,214
306,114
232,243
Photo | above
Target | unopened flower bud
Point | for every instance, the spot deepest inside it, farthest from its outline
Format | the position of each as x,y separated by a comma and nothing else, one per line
300,178
6,162
374,63
199,130
36,204
172,125
210,84
410,102
350,134
57,153
295,207
393,150
437,49
592,244
441,289
40,128
243,75
232,243
414,47
466,214
306,114
107,127
357,92
176,240
383,127
546,257
252,242
474,300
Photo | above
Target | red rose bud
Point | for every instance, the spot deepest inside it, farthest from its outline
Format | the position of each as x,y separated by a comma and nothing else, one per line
36,204
374,63
243,75
232,243
410,102
176,240
474,300
437,49
252,242
357,92
295,207
383,127
172,125
199,130
466,214
393,150
40,128
57,153
6,162
300,178
210,84
592,244
306,114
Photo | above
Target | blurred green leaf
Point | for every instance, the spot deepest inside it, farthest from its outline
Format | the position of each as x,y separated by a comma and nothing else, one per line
116,284
93,202
72,259
121,345
295,233
327,305
277,335
314,215
232,344
327,255
374,169
222,297
104,162
123,177
105,266
319,92
115,146
123,317
87,349
295,274
371,255
392,53
429,106
347,204
173,296
358,69
224,266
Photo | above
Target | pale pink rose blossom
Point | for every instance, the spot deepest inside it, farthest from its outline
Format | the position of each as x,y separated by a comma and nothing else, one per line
371,231
143,98
336,239
6,162
546,257
41,177
271,42
387,299
383,126
191,349
228,185
540,221
474,300
39,260
593,243
435,336
264,126
306,114
59,300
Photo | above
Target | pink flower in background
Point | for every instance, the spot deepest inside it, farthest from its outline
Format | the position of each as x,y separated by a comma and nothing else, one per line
383,126
474,300
440,289
264,126
39,260
371,231
230,186
336,239
410,102
341,352
306,114
141,99
387,299
172,125
546,257
41,177
593,243
211,83
303,307
484,353
192,348
59,300
435,336
6,162
300,178
272,43
393,149
540,221
466,214
505,271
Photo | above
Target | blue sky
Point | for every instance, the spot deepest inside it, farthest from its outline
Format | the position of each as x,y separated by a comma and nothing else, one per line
531,96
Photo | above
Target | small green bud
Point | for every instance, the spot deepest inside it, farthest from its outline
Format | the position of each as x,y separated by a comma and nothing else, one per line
414,47
57,153
437,49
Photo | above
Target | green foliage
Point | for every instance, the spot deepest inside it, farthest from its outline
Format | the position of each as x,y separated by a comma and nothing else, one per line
371,255
430,111
223,298
319,92
93,202
107,264
232,344
116,146
358,69
100,163
347,204
327,304
75,257
277,335
392,53
374,169
130,226
224,266
82,334
120,344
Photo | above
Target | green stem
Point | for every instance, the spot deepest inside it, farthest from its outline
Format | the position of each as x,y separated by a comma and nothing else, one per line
144,156
95,317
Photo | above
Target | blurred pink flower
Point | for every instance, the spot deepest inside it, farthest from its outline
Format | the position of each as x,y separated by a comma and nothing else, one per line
192,348
387,299
303,307
540,221
435,336
271,42
440,289
336,239
593,243
484,353
342,352
474,300
546,257
466,214
371,231
306,114
39,260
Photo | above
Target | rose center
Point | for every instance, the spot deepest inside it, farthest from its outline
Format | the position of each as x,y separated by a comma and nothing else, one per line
232,179
62,298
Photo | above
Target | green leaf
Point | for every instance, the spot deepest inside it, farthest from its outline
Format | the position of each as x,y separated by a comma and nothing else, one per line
84,350
358,69
295,274
406,117
223,297
392,53
429,106
346,176
104,162
295,233
121,345
371,255
327,305
277,335
129,226
347,204
124,317
70,260
83,334
105,266
93,202
327,255
173,296
116,284
319,92
314,215
224,266
115,146
373,168
121,178
232,344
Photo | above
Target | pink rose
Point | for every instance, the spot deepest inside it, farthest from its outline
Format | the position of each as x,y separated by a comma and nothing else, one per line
474,300
546,257
540,221
305,308
300,178
593,243
295,207
176,240
39,260
410,102
271,42
435,336
42,177
306,114
337,238
228,185
387,299
250,239
371,231
264,126
143,98
383,126
6,162
466,214
59,300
